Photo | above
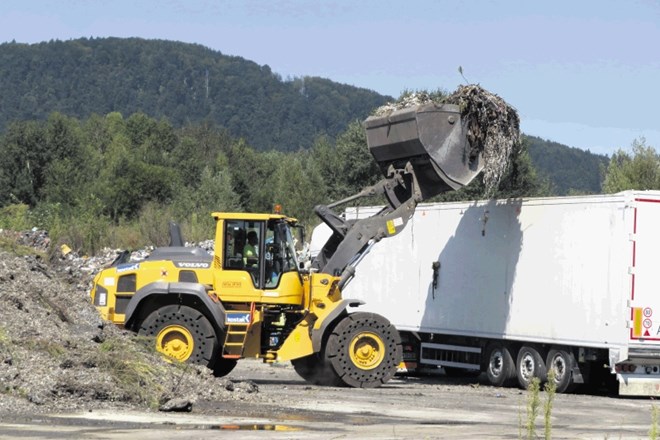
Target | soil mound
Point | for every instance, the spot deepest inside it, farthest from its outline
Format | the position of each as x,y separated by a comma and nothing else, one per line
56,352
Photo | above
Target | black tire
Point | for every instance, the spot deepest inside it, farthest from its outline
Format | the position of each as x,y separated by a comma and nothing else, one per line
223,366
500,368
316,370
562,362
364,350
530,364
182,333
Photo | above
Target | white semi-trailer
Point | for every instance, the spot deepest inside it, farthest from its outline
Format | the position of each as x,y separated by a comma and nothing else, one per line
516,287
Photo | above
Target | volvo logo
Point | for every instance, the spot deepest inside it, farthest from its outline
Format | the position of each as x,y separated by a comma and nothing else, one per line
192,265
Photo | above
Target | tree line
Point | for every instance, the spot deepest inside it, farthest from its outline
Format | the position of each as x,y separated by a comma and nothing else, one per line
117,181
110,180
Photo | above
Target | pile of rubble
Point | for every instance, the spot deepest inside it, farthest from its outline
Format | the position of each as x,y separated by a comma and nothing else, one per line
56,352
493,130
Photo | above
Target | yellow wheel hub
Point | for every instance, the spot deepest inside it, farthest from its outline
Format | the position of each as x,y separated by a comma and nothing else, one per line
176,342
367,350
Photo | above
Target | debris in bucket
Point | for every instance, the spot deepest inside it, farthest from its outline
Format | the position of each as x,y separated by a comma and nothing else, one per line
493,129
493,126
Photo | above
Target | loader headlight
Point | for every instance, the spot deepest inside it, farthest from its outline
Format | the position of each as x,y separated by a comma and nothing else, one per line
101,296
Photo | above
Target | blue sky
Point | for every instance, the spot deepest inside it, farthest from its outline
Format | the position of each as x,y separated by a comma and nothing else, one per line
582,73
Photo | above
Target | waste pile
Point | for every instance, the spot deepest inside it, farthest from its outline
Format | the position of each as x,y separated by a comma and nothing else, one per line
56,352
493,126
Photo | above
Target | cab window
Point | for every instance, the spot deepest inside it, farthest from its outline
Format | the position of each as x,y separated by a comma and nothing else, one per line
280,255
243,241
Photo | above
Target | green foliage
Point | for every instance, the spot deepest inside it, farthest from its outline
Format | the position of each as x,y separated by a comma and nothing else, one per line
640,171
115,180
348,167
86,226
126,364
570,170
181,82
252,174
53,348
533,404
24,155
653,431
550,393
15,217
520,180
298,186
4,337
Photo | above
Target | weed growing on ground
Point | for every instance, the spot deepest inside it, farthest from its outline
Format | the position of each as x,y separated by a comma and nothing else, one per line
4,337
533,403
53,348
9,245
550,392
6,354
653,432
135,375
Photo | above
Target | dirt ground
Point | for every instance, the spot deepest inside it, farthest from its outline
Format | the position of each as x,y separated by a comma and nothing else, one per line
406,408
63,375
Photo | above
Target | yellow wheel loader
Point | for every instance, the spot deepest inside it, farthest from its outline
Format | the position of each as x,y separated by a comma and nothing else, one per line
252,298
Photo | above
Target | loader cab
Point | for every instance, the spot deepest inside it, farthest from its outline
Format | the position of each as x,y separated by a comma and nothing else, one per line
257,259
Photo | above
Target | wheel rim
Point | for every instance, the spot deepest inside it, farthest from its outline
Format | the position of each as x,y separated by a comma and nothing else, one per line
559,367
367,350
527,367
175,342
496,363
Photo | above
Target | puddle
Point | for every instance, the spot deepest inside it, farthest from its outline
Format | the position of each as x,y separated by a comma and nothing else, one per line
255,427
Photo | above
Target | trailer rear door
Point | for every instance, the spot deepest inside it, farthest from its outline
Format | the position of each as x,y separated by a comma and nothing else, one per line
645,272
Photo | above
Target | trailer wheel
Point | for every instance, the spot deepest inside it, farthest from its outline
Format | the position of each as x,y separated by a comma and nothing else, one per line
364,350
562,362
182,333
530,364
223,366
500,369
316,370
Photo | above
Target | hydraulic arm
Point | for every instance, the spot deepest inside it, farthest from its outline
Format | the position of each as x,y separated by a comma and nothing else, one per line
422,151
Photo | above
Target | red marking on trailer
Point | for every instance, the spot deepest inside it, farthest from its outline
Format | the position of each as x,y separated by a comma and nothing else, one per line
632,276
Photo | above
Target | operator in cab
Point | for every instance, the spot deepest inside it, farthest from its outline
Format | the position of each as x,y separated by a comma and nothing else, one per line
250,251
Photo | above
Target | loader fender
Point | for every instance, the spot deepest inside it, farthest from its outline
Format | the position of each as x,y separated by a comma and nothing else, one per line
163,288
340,310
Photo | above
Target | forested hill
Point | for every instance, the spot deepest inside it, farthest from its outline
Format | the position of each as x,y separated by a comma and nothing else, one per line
179,81
188,83
568,169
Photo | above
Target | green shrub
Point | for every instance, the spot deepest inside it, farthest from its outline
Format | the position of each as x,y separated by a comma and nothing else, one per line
533,402
653,431
131,371
15,217
550,392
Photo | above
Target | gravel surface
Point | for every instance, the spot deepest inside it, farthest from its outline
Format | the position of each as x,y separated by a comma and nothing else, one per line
66,374
56,352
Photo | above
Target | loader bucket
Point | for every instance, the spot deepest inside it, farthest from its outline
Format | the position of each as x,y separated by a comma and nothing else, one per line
433,138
